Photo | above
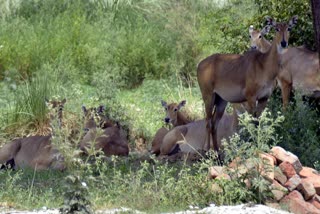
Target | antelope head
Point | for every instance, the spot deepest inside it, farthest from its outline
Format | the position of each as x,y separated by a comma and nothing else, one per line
55,108
282,31
257,40
92,116
172,111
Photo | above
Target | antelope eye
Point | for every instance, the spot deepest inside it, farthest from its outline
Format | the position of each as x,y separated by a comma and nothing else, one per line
277,29
289,29
250,36
166,108
260,37
175,109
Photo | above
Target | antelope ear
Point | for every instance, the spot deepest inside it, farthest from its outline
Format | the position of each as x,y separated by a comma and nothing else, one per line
84,109
163,103
181,104
64,101
46,101
270,21
293,21
101,109
265,30
251,29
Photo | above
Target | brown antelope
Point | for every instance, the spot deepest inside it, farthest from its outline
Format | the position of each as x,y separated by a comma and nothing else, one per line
55,108
157,140
191,138
299,67
173,116
112,141
238,78
35,152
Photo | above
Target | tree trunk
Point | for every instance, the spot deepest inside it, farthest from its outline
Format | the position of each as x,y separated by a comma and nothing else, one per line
315,6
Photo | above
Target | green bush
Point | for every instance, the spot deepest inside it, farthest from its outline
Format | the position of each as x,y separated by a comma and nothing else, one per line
253,138
133,40
299,132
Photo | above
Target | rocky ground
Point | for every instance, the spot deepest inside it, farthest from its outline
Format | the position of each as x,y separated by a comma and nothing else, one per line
292,185
239,209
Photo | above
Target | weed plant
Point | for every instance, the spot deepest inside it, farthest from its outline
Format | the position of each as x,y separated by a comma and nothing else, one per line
299,131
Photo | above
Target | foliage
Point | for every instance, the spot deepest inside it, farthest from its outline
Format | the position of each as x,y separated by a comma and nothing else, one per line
76,199
226,34
131,40
303,33
299,131
28,105
255,137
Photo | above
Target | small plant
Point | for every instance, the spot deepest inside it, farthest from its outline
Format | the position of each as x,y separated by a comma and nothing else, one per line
255,137
76,196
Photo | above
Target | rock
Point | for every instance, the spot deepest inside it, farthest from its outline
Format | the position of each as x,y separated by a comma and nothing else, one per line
279,176
239,168
282,155
312,176
315,203
307,189
224,176
295,203
266,168
216,188
293,182
278,191
287,169
215,171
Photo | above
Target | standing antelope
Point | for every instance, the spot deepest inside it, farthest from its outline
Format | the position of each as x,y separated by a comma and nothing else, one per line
36,152
238,78
111,142
299,67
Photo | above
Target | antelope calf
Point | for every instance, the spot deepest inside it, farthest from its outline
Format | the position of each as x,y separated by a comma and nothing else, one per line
173,117
299,67
111,142
35,152
235,78
55,108
173,114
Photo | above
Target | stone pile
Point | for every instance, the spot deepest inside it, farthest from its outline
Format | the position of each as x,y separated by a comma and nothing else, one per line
294,187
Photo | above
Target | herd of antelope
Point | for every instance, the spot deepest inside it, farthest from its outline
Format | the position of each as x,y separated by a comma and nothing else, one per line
245,80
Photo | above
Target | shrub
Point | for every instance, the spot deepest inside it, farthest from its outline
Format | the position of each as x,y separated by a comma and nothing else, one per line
299,131
247,145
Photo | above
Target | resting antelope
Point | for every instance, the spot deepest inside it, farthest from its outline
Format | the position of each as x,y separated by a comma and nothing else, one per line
238,78
55,108
174,117
35,152
173,114
191,138
299,67
111,142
